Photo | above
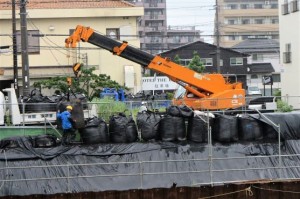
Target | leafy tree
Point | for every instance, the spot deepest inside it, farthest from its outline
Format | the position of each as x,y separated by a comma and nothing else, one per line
177,59
196,64
88,83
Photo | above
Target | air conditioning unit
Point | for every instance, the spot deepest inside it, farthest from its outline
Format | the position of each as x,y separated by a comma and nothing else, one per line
294,5
287,57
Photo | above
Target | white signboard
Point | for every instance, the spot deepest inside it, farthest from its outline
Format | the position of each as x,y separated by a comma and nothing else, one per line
158,83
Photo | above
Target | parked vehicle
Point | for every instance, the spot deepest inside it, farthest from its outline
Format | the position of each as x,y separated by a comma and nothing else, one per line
253,90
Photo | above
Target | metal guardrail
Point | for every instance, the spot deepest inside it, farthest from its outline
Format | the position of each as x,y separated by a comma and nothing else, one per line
143,166
37,112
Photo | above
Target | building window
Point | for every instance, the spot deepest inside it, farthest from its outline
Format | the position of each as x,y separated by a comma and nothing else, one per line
185,62
276,78
33,41
232,37
258,6
113,33
244,6
232,6
231,21
234,61
207,61
244,37
259,21
254,76
245,21
274,6
287,55
257,57
274,21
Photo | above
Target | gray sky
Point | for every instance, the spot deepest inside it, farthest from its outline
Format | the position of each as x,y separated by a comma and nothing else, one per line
199,13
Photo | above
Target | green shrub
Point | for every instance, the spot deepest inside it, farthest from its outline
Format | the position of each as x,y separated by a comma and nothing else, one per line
107,107
283,106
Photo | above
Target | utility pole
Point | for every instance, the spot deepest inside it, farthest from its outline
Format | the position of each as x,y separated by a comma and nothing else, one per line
24,48
15,51
217,38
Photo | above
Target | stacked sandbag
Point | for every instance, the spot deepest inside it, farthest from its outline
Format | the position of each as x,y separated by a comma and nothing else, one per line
44,141
148,123
198,127
249,129
180,111
225,128
122,129
172,128
95,131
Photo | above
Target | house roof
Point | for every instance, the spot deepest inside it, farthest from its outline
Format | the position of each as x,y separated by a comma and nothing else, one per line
257,45
261,68
193,43
68,4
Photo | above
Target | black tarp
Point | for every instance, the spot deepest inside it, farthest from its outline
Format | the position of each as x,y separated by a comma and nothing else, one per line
25,170
287,124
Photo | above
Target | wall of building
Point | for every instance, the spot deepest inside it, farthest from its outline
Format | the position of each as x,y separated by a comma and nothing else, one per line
289,34
231,16
57,27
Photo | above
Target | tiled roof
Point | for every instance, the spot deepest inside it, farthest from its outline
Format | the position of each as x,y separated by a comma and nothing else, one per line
67,4
261,68
257,45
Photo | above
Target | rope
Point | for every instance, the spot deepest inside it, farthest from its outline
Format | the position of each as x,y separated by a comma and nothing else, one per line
247,191
295,192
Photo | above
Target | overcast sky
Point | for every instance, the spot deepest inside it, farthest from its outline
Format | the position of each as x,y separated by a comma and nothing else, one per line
199,13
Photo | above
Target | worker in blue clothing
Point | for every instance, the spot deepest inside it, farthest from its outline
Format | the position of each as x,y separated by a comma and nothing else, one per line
67,125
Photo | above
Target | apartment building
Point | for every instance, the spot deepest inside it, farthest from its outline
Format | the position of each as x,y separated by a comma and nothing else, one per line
289,27
50,22
155,35
239,20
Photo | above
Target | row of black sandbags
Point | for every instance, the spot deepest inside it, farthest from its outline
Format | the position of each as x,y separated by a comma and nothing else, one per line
224,128
122,129
172,127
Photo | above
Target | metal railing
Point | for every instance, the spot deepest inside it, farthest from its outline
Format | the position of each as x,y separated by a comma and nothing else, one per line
202,172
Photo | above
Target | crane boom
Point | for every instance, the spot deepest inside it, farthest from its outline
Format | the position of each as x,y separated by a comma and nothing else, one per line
210,91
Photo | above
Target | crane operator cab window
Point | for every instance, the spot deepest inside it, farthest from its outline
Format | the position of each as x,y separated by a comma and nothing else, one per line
179,94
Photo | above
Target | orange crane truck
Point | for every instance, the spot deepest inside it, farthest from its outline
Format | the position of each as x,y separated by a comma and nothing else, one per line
198,91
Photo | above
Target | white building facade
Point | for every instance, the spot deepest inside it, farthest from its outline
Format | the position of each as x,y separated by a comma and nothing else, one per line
289,26
51,22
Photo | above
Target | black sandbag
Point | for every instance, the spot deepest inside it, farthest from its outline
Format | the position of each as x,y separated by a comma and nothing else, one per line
225,128
197,130
95,131
173,111
93,122
148,123
44,141
180,111
249,129
77,114
7,143
122,129
172,128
